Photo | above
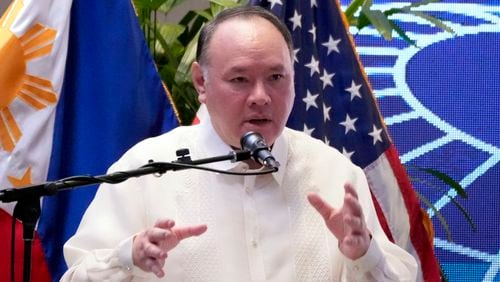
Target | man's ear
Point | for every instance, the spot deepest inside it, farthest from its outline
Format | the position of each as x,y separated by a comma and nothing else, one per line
198,81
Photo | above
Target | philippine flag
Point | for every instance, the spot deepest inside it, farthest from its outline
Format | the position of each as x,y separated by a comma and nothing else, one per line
78,87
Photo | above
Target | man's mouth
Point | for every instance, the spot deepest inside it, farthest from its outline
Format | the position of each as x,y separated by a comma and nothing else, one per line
258,121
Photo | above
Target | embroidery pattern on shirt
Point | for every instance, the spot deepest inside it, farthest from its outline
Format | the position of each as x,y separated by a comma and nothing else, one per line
196,206
311,244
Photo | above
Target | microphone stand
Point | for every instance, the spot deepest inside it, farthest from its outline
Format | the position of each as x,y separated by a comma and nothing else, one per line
27,208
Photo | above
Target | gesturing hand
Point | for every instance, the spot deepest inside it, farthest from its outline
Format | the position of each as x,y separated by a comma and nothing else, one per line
150,247
346,223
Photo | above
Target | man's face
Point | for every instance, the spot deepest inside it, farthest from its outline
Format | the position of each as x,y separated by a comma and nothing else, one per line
247,82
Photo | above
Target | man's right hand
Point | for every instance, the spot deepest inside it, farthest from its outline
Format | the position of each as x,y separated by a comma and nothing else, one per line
151,246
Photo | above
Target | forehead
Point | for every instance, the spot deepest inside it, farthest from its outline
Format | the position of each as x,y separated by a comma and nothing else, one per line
250,37
244,24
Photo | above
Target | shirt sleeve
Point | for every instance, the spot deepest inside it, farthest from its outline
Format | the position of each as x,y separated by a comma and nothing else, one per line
101,249
378,264
102,264
383,261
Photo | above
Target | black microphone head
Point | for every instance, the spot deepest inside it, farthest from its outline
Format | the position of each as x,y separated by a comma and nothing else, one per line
260,152
251,141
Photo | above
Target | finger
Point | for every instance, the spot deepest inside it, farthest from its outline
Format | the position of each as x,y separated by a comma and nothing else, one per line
352,240
190,231
352,206
353,225
156,235
324,209
152,250
349,190
154,266
164,223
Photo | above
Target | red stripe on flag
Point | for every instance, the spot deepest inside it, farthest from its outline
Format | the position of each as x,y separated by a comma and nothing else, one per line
381,218
196,120
39,270
418,234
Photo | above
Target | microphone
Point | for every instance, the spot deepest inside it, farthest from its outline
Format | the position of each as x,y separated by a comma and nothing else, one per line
254,143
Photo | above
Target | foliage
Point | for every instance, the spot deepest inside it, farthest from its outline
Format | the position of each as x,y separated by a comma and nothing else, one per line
174,46
382,21
448,181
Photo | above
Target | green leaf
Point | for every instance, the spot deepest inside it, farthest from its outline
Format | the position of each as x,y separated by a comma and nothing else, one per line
187,18
437,22
193,28
408,8
362,21
353,8
379,21
225,3
393,11
162,47
183,73
452,199
170,32
217,6
441,218
148,4
401,33
169,5
419,4
142,4
204,13
444,178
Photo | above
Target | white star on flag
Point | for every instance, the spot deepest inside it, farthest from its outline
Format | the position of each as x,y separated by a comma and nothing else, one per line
376,134
307,130
295,52
313,65
326,78
354,90
332,45
274,2
346,153
349,123
310,100
326,113
296,20
313,32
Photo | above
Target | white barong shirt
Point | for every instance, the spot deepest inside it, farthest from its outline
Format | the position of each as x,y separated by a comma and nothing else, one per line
260,228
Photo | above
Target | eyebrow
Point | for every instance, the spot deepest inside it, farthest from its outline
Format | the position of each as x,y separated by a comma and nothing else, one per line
239,69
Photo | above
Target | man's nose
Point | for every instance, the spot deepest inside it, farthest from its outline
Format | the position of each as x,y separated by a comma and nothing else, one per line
259,95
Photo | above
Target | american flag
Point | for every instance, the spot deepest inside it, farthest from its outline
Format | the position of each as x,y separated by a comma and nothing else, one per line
334,102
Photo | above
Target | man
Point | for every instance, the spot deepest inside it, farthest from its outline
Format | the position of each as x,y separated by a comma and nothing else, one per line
192,225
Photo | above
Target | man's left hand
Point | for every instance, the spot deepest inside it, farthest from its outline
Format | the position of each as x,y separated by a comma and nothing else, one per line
346,223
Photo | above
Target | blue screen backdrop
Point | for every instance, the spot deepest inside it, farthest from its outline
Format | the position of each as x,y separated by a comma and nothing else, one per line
441,103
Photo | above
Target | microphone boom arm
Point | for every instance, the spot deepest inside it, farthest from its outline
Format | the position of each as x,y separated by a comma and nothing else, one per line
52,187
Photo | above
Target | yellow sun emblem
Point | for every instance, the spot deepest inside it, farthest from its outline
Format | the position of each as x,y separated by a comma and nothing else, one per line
15,52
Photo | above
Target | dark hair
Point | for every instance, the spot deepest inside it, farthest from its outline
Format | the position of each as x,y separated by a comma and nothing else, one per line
244,12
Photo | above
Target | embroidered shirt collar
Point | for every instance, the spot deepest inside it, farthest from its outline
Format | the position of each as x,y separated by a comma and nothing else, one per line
214,146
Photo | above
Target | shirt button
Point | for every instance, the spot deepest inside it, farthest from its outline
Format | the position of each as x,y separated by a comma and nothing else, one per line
356,268
254,243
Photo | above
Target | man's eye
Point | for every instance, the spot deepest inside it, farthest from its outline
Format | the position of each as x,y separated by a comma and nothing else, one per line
239,79
277,76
